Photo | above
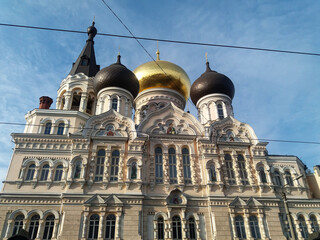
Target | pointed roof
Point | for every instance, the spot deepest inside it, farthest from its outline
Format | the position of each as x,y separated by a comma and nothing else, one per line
113,200
86,62
252,202
238,202
95,199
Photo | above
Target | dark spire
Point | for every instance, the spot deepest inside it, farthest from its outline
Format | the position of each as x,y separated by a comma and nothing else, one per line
86,62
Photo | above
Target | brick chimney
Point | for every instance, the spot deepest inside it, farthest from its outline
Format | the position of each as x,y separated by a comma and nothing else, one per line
45,102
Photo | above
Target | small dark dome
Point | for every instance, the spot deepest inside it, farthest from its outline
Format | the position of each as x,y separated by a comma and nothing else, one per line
211,82
92,31
116,75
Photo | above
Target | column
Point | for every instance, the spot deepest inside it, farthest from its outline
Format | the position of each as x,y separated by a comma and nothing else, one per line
70,173
9,227
184,225
236,169
117,233
126,108
298,229
246,224
101,224
209,113
261,224
83,102
180,177
36,174
119,104
225,111
234,232
64,174
55,228
165,169
84,225
308,222
40,229
68,102
25,224
58,103
23,171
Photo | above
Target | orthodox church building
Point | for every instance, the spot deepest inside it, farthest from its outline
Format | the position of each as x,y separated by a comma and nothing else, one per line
120,158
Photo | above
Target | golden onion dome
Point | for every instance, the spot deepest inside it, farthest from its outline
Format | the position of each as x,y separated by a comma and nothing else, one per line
168,75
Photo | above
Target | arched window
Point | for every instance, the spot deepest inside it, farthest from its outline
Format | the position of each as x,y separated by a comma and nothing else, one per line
18,224
100,165
192,229
90,104
115,104
160,226
30,172
240,229
158,163
314,223
289,180
212,173
93,226
133,173
34,226
229,169
77,169
242,170
186,166
176,228
262,175
303,227
254,227
48,228
220,111
172,166
76,101
114,166
58,173
44,173
110,226
60,129
47,129
277,178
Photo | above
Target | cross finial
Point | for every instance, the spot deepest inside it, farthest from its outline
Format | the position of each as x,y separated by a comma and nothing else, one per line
158,52
206,57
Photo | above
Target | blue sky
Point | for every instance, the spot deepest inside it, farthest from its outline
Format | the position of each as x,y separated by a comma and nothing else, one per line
277,94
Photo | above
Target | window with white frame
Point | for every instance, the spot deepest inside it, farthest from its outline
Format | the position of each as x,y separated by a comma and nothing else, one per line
242,170
277,178
229,169
93,227
303,227
48,227
192,228
176,228
47,129
186,166
289,180
160,227
158,165
44,172
240,229
114,166
58,173
30,172
110,226
100,165
60,129
114,104
172,166
254,227
262,175
314,224
34,226
220,111
18,224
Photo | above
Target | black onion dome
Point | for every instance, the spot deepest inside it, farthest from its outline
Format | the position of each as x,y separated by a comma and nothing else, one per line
116,75
211,82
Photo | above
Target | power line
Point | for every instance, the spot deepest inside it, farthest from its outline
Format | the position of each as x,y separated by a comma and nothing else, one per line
165,40
195,135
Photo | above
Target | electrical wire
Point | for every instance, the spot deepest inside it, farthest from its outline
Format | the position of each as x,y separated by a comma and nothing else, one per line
195,135
165,40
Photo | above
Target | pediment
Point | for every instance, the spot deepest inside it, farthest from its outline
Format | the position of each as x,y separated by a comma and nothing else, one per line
171,120
230,129
110,124
238,202
95,200
252,202
113,200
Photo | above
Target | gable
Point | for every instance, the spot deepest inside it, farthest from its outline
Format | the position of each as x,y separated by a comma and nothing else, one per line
95,200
